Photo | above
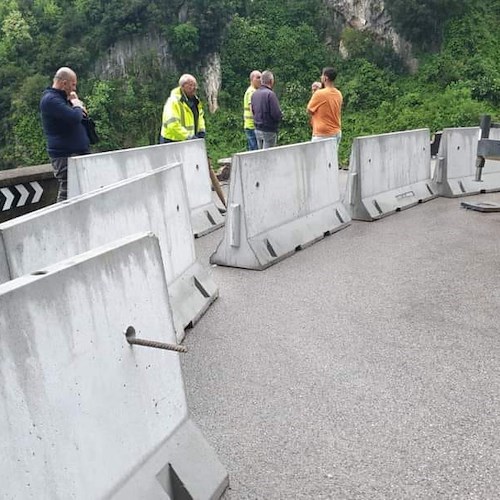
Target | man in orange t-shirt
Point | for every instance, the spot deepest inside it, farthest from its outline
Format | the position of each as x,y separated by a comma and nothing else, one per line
325,108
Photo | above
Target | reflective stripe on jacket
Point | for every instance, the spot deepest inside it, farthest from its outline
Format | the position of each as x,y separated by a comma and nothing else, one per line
178,119
247,112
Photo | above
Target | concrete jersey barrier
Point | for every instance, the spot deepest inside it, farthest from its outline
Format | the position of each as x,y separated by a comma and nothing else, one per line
456,164
90,172
280,200
83,414
33,241
388,173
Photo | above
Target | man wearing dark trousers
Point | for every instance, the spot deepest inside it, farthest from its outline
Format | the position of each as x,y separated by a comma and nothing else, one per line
266,112
62,113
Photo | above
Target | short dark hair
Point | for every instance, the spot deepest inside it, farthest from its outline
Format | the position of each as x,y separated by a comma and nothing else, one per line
330,73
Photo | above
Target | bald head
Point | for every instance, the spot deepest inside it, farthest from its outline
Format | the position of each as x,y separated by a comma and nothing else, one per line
64,73
65,79
255,77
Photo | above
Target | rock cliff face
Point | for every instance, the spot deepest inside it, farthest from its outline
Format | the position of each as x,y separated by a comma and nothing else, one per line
134,55
212,79
363,14
371,16
127,56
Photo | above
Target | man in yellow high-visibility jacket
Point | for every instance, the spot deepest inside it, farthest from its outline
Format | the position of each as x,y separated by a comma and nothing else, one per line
248,123
183,117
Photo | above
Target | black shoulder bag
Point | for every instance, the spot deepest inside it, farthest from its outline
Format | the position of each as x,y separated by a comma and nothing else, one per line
89,125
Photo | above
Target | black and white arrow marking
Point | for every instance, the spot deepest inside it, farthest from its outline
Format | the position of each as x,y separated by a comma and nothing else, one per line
20,195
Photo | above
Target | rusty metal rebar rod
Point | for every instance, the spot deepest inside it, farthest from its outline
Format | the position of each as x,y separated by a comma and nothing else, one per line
133,340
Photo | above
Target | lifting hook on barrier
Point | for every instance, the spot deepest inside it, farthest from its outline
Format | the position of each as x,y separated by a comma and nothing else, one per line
133,340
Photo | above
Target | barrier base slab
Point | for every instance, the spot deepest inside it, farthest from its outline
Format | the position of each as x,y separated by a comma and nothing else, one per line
260,251
206,219
190,296
482,206
468,186
387,203
184,467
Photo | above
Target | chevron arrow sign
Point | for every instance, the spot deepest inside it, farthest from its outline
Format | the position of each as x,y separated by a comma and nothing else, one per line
20,195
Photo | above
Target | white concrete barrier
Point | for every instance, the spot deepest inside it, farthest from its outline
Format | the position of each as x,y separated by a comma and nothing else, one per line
280,200
41,238
90,172
387,173
83,414
455,170
494,135
4,265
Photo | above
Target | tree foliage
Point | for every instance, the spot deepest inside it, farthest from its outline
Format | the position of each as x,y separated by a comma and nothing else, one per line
423,21
184,41
456,42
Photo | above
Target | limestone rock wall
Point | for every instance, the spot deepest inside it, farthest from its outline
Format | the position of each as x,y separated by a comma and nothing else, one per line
212,80
127,57
372,16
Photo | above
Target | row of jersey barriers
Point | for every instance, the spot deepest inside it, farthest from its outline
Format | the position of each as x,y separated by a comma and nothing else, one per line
286,198
84,278
95,296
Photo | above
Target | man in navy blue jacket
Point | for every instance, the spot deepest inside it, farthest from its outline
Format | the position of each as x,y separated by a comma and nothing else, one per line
266,112
62,114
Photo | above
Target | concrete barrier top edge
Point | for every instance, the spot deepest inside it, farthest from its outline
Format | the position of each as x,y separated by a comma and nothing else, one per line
458,129
399,132
127,150
52,269
85,196
278,148
26,174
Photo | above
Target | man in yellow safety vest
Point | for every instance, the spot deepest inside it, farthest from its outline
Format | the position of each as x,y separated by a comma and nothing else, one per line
248,123
183,116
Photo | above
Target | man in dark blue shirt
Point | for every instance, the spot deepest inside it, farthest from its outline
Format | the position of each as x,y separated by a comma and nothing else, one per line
266,112
62,114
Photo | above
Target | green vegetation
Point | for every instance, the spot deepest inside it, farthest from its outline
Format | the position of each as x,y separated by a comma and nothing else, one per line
455,42
423,21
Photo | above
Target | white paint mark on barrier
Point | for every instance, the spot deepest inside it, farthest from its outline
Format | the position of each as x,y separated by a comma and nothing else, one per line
24,195
9,198
19,195
38,191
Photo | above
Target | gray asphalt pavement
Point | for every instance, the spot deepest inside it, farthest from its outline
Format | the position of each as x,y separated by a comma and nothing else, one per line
363,367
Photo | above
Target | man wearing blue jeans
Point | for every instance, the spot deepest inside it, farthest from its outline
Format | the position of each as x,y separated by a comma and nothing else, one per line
266,112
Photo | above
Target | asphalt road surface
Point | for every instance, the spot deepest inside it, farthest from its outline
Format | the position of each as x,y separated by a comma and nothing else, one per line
365,366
